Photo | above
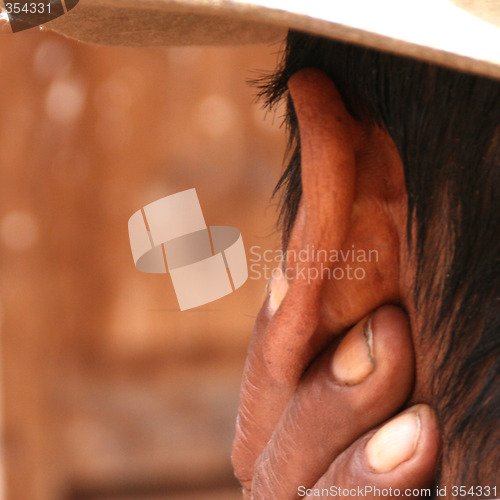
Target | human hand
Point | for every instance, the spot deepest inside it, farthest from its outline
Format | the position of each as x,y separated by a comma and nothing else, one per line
334,426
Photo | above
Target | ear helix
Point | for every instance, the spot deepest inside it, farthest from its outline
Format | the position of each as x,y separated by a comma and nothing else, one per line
328,173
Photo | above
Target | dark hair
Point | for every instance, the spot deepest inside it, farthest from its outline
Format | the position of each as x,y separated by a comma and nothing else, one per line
446,126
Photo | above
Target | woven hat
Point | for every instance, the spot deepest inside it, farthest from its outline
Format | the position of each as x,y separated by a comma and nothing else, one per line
461,34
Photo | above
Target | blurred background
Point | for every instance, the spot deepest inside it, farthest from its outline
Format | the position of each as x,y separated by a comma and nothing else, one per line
108,392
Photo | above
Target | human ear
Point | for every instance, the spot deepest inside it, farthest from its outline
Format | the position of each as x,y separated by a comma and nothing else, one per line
350,223
352,194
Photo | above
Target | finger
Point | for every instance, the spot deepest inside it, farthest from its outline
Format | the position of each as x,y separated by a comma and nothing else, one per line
266,389
262,396
343,395
397,460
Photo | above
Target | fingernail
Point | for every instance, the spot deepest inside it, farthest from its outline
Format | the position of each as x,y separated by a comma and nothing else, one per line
278,288
353,360
394,443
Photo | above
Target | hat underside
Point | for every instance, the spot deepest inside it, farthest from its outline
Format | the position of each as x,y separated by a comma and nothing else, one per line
139,23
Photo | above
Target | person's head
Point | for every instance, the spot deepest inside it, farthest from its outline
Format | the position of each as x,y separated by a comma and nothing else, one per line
445,126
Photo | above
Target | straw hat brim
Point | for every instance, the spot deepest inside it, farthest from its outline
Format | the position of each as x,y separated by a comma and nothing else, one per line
463,34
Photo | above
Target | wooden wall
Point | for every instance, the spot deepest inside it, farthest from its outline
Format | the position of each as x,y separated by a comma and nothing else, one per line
108,392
